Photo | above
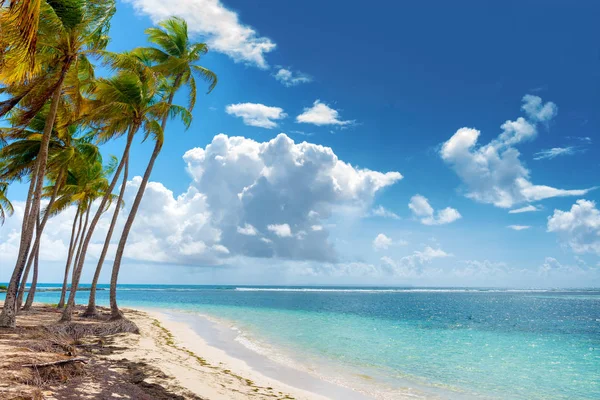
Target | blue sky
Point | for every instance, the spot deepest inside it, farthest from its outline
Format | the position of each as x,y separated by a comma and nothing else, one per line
385,87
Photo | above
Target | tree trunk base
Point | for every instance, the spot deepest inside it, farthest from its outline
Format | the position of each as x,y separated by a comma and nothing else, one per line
8,321
90,313
116,315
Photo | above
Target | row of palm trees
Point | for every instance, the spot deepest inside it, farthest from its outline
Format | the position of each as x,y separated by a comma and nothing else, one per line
59,112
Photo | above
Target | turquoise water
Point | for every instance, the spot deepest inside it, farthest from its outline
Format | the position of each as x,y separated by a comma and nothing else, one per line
492,344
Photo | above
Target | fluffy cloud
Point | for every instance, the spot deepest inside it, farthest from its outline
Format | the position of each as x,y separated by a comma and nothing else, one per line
493,173
537,110
421,208
578,227
518,227
219,26
527,208
382,242
283,189
555,152
321,114
245,199
281,230
254,114
247,230
289,78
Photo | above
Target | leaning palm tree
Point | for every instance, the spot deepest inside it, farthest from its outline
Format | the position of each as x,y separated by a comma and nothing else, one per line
174,57
64,150
68,33
127,102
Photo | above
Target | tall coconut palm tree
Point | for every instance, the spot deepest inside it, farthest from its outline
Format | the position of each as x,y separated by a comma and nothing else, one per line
129,101
174,57
67,34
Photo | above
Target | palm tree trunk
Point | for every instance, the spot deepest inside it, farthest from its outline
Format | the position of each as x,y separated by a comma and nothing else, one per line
91,308
66,315
72,245
83,232
33,287
114,308
8,316
23,284
71,299
38,237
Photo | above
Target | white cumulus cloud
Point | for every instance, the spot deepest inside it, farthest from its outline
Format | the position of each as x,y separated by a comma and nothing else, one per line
240,190
321,114
421,208
384,242
493,173
579,227
255,114
215,23
281,230
247,230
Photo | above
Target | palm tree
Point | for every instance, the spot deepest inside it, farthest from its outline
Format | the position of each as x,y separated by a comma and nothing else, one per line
175,58
127,102
67,34
6,207
64,150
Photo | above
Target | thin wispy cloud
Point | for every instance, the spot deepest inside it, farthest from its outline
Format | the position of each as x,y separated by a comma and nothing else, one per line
518,227
382,212
290,78
528,208
548,154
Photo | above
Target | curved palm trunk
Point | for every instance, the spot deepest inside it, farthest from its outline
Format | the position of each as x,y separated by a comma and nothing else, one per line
9,311
23,284
71,299
66,315
114,308
91,308
72,244
38,237
33,288
83,232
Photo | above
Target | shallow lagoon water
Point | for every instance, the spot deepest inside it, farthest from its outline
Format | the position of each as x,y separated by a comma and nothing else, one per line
451,342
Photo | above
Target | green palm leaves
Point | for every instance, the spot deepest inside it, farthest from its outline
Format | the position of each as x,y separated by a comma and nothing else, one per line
59,112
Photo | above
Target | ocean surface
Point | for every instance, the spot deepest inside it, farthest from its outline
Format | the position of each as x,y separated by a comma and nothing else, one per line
449,343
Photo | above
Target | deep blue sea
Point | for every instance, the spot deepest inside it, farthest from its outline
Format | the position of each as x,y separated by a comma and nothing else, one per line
457,343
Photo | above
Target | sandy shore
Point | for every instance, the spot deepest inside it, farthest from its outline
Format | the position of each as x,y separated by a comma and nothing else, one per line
166,360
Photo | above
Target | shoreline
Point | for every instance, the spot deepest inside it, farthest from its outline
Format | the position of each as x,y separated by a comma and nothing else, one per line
168,358
319,380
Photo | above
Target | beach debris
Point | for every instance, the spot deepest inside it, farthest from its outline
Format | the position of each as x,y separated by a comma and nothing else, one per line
59,362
